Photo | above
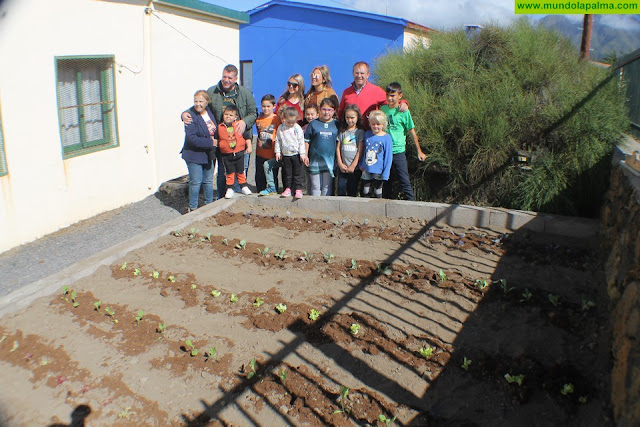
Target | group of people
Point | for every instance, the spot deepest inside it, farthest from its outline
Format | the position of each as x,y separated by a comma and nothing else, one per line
311,137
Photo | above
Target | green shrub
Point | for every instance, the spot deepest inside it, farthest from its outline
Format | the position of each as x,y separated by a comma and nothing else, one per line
477,100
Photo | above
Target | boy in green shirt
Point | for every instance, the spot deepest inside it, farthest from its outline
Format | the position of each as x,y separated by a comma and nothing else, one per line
400,125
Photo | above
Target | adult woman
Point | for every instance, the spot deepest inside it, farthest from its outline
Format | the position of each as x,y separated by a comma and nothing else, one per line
321,87
199,149
293,96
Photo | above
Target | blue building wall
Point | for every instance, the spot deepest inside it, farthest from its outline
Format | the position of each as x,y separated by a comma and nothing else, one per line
282,40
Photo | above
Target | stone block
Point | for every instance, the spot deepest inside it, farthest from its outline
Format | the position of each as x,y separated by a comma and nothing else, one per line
464,216
362,206
420,210
515,220
319,203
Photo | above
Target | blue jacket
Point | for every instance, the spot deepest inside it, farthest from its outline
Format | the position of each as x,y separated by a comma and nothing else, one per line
197,146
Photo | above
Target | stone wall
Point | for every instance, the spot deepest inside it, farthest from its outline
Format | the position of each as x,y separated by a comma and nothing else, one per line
621,249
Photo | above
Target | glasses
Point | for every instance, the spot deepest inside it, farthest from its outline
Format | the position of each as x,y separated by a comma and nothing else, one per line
292,84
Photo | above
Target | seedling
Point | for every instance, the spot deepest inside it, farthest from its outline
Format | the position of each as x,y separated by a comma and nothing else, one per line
465,363
567,389
44,361
194,286
383,269
354,264
442,276
65,290
190,346
123,266
328,257
96,305
73,298
283,375
109,312
137,272
161,327
281,308
225,241
155,275
505,288
192,232
258,302
587,304
314,314
172,279
16,344
207,238
354,328
344,394
409,274
482,283
554,299
233,298
252,367
427,351
4,337
387,421
518,379
264,251
306,256
177,233
281,255
582,399
241,244
211,353
526,295
215,293
139,317
126,413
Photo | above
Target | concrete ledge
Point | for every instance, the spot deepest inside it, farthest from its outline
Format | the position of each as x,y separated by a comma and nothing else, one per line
362,206
420,210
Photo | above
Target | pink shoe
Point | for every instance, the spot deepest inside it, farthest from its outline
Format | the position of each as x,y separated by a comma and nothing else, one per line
286,193
298,194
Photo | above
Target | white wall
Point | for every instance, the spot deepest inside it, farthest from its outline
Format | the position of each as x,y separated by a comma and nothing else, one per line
43,192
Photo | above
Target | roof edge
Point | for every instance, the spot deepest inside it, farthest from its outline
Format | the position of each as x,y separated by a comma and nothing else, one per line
207,9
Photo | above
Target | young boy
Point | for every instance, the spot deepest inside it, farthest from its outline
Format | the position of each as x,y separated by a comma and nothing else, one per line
232,147
266,165
400,124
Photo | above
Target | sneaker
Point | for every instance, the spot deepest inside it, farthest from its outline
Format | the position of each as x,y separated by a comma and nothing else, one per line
229,194
246,191
268,191
298,194
286,193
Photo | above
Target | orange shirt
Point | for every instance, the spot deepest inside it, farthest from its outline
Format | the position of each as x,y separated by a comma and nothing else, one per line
267,127
229,139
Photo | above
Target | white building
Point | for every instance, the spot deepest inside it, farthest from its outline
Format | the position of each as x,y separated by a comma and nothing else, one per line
90,97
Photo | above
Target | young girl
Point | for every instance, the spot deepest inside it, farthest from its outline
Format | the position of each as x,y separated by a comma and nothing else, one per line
349,150
378,155
290,148
320,136
293,96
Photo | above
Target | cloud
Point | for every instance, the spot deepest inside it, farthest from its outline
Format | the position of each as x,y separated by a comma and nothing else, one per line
621,22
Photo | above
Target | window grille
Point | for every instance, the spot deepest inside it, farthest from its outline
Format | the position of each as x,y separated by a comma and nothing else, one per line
3,159
86,104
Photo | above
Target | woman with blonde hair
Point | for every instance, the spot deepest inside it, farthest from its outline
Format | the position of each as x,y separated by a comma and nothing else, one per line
293,96
321,87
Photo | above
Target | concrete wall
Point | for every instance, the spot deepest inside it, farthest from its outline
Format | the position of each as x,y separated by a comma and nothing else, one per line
621,248
157,71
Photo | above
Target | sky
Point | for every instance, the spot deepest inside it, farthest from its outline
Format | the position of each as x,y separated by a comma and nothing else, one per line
437,14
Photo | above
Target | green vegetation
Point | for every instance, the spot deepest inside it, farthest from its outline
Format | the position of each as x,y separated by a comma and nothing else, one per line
495,115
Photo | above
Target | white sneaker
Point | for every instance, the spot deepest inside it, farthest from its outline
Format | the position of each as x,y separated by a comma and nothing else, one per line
229,194
246,191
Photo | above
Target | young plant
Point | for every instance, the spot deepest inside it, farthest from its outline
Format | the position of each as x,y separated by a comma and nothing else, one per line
192,232
211,353
16,344
281,308
172,279
190,346
97,305
109,312
328,257
65,290
526,295
409,274
252,368
427,351
207,238
354,264
587,304
354,328
554,299
137,272
482,283
281,255
306,256
161,327
155,275
194,286
264,251
314,314
225,241
215,293
283,375
466,363
387,421
442,276
241,244
344,394
505,288
258,302
233,298
139,317
518,379
582,400
567,389
383,269
177,233
123,266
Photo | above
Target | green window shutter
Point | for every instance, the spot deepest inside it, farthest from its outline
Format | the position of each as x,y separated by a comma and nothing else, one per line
3,159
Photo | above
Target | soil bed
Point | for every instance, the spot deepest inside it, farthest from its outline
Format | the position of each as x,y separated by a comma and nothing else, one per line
433,326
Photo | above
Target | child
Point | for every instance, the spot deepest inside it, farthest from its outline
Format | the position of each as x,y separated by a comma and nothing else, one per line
266,165
377,158
232,147
310,114
290,148
320,137
400,124
349,150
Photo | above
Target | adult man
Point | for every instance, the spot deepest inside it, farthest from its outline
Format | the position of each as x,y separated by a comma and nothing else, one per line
364,94
229,92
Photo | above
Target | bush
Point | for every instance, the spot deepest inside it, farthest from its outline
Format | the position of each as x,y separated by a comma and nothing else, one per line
476,101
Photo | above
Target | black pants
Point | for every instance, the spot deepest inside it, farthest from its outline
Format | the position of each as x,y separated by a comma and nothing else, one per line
372,184
234,167
292,173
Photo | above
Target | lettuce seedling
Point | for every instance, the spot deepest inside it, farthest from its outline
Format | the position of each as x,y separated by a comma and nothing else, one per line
225,241
427,351
306,256
465,363
123,266
258,302
155,274
283,375
16,344
354,328
65,290
587,304
241,244
215,293
172,279
442,276
252,367
354,264
281,308
344,394
554,299
281,255
74,294
161,327
481,283
177,233
137,272
97,305
109,312
526,295
139,317
582,399
207,238
383,269
328,257
264,251
567,389
194,286
190,346
192,232
518,379
233,298
505,288
409,274
387,421
211,353
314,314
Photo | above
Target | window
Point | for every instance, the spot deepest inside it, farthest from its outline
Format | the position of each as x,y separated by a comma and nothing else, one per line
86,104
3,160
246,74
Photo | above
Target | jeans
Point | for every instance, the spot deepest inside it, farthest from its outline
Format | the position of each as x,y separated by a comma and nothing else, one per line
321,184
200,176
399,173
221,184
348,183
269,168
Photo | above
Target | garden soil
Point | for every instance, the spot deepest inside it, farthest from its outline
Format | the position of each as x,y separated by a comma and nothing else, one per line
430,326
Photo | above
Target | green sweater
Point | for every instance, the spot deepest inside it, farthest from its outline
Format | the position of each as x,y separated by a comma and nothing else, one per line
243,99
